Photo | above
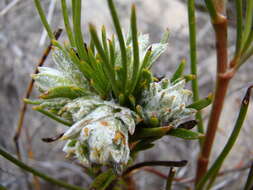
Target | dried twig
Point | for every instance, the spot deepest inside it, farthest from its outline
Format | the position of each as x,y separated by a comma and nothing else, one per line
24,108
8,7
190,179
136,167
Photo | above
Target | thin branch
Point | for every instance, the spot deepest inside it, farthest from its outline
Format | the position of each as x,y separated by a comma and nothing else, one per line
24,108
192,179
8,7
170,178
28,93
131,169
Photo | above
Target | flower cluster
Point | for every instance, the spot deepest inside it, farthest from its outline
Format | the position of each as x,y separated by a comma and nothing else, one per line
165,103
105,89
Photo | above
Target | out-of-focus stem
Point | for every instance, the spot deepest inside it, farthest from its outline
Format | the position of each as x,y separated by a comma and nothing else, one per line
193,54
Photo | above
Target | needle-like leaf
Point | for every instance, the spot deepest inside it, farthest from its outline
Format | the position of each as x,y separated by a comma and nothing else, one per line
44,19
136,61
201,104
179,71
117,26
52,116
66,22
108,68
213,171
77,30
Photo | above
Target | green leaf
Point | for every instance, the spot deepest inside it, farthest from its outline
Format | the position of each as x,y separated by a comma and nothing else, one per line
142,147
185,134
146,60
248,23
104,41
214,169
239,26
77,6
108,68
136,59
121,40
151,132
33,102
66,22
201,104
71,92
179,71
44,19
52,116
103,180
144,144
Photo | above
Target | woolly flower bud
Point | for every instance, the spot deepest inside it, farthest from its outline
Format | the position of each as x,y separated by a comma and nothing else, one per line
166,102
100,132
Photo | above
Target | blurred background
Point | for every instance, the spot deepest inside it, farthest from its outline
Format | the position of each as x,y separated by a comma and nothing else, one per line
22,41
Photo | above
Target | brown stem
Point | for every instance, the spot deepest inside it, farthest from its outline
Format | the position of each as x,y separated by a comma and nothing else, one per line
23,111
220,93
130,183
136,167
237,168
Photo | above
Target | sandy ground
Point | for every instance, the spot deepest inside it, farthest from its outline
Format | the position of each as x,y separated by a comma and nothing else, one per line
21,48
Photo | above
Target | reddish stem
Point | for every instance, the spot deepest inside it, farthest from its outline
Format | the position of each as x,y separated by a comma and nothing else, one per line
220,93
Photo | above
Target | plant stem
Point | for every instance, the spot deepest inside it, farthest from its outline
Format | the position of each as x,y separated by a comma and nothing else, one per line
220,27
211,9
38,173
213,171
154,163
170,178
249,182
194,62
